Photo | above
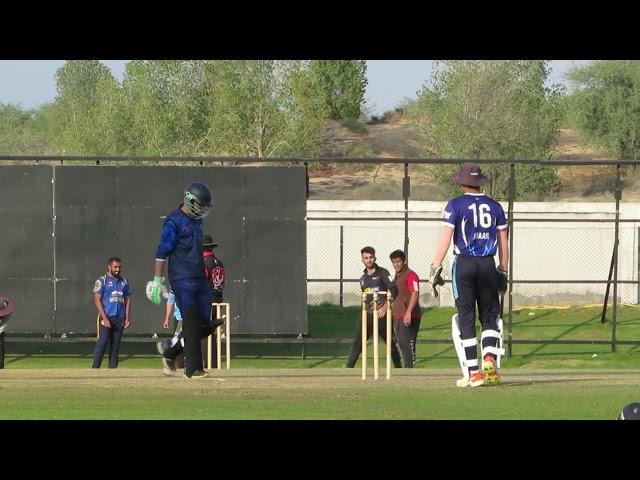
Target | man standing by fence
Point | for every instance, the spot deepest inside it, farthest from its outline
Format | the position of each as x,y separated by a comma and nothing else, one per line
111,294
214,269
373,279
215,273
406,307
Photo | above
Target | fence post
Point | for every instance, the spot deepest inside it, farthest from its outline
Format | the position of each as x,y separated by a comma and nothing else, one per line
341,265
306,176
618,196
406,191
55,253
512,196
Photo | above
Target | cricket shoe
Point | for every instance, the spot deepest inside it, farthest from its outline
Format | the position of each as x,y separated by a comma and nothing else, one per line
168,365
475,380
196,374
462,382
489,364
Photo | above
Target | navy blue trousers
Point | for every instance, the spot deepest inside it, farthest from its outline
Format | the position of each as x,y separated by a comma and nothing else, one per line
111,336
193,297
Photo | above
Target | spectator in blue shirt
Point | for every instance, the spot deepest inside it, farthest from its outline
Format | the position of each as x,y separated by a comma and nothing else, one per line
111,294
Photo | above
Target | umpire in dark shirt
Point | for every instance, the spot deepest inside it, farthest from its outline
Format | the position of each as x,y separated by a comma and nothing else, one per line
214,270
374,279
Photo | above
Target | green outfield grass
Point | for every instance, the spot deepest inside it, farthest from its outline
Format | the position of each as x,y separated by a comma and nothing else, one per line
272,381
328,321
313,394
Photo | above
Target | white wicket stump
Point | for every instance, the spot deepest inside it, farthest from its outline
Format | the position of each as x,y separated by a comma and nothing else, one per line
227,325
376,340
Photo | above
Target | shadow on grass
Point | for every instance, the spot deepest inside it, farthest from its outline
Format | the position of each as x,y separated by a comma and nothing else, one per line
10,360
317,363
507,383
561,335
527,319
438,355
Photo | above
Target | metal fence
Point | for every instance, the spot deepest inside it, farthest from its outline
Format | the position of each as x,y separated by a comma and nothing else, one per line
572,255
590,239
568,248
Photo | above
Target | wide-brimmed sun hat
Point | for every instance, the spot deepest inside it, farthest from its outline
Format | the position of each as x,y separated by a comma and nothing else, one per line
470,174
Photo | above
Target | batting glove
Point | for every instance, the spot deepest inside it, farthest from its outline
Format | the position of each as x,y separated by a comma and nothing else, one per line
503,279
435,278
155,290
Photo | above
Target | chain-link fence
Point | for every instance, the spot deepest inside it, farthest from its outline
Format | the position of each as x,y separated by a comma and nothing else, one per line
578,249
559,257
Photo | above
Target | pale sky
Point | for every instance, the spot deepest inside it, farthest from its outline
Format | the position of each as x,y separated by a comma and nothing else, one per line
31,83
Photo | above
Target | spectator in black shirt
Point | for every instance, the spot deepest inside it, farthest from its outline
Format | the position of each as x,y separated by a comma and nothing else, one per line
374,279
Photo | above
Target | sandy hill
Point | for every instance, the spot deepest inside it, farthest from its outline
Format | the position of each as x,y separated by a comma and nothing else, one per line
393,137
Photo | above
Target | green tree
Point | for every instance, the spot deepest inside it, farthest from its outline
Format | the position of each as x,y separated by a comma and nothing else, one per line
167,107
44,126
188,108
491,110
263,108
341,85
606,105
86,108
22,132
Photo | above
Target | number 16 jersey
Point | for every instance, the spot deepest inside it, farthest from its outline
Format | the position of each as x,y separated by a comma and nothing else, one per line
476,219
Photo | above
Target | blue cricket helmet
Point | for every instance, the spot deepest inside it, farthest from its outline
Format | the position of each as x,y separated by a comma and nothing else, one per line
630,412
197,196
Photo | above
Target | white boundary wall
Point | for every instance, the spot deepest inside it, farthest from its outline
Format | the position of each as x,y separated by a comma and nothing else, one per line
542,250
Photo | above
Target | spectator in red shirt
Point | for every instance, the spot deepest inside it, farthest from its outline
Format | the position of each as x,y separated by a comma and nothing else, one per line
406,308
